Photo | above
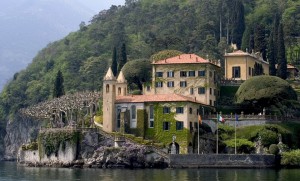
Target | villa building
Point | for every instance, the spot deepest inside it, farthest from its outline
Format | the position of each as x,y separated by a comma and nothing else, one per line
241,65
182,87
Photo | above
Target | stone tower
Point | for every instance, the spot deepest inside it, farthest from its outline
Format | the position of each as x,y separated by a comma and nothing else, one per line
109,98
121,85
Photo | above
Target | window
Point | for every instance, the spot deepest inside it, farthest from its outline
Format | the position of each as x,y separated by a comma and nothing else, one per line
158,84
249,70
196,125
133,116
236,72
170,74
201,73
151,117
183,74
119,90
159,74
118,117
210,102
179,110
179,125
191,110
183,83
133,112
215,92
201,90
191,91
148,88
166,110
210,74
210,91
170,84
166,125
191,73
191,126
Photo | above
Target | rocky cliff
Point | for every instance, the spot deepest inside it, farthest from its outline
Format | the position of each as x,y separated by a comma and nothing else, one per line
18,131
90,148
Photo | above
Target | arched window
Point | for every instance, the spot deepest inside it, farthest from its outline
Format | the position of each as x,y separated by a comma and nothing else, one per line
107,88
119,90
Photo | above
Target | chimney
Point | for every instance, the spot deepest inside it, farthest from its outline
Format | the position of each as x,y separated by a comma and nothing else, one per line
196,59
179,56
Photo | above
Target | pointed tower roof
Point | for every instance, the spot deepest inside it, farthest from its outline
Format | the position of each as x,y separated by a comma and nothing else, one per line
109,75
121,78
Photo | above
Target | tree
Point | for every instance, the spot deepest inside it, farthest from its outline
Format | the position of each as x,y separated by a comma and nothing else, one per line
267,91
58,90
282,62
137,72
271,55
238,24
122,58
114,64
260,40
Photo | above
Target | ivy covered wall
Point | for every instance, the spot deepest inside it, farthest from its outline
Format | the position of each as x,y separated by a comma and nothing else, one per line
49,141
183,137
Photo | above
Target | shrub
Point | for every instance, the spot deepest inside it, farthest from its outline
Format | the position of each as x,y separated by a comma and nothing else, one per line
291,158
273,149
268,137
242,145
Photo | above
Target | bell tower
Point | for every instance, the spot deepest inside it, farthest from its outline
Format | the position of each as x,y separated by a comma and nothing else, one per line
121,85
109,98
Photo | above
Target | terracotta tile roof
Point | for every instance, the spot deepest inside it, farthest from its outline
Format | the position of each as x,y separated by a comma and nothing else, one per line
183,58
289,66
155,98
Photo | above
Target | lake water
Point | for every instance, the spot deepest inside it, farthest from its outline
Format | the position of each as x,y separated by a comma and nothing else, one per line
10,171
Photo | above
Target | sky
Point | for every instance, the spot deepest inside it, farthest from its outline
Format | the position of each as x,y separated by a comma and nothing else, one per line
98,5
14,52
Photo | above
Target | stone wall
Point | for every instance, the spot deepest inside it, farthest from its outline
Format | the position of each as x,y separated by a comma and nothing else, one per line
221,160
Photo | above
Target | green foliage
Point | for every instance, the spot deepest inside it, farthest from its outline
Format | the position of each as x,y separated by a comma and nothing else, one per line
122,57
183,137
145,27
58,90
281,57
114,64
291,158
137,72
50,141
265,91
273,149
242,145
225,131
164,55
268,137
32,146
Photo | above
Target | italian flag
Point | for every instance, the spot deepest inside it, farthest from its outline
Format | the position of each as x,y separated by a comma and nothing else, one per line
222,120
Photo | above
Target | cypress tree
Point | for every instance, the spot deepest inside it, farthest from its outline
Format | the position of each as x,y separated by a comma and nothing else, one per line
260,41
122,57
114,64
271,55
58,90
238,23
281,57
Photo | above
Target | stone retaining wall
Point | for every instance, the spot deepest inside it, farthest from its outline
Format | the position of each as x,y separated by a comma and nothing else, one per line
221,160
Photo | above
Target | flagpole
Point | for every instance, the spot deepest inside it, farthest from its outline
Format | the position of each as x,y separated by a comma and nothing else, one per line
217,151
235,134
198,134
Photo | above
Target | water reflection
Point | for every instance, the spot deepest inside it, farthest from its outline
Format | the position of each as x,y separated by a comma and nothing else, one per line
11,172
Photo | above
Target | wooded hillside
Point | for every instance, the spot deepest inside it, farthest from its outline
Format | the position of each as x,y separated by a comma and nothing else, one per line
204,27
